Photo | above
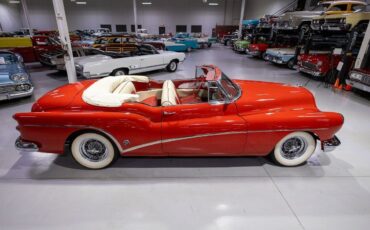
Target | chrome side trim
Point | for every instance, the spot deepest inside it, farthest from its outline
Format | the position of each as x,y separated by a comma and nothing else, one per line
25,146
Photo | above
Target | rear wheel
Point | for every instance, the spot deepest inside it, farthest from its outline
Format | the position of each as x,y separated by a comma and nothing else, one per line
93,151
291,63
120,72
188,49
294,149
172,67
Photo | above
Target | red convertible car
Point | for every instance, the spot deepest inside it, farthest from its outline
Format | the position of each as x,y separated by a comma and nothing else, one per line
209,115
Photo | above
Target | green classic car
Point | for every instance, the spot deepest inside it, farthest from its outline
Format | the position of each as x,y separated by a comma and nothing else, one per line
241,45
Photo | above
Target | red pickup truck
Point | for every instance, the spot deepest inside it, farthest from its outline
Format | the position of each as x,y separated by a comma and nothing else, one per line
29,48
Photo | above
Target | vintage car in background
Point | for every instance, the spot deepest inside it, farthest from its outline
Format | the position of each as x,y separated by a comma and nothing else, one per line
360,79
176,47
281,56
102,32
15,81
116,43
203,40
143,59
301,20
241,45
97,121
184,38
343,22
227,39
250,23
29,48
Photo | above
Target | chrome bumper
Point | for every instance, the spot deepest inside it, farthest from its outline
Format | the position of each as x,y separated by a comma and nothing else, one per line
13,95
310,72
358,85
330,145
254,53
24,146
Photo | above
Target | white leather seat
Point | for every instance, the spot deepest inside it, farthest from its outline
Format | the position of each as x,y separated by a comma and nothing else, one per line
112,91
169,94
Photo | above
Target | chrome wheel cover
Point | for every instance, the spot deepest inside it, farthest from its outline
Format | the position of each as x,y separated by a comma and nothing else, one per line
93,150
293,148
119,73
173,65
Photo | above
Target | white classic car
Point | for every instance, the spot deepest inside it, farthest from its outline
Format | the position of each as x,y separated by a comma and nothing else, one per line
145,58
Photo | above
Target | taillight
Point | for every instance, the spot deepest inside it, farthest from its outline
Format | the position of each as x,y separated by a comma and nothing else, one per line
36,107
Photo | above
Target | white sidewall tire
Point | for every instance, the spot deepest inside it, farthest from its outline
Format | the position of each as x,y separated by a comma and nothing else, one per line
311,146
119,73
75,149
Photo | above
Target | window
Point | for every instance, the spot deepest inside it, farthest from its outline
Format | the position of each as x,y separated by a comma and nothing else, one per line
358,8
147,49
196,29
106,26
162,30
121,28
181,28
133,27
342,7
115,40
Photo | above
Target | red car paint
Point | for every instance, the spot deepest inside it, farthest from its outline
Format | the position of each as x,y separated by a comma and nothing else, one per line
249,126
40,44
258,49
318,64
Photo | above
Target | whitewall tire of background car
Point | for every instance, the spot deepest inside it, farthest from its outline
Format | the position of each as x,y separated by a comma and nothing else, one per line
93,151
172,67
120,72
294,149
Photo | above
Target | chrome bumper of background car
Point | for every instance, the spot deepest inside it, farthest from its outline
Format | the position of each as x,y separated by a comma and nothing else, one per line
277,60
310,72
358,85
25,146
254,53
15,94
330,145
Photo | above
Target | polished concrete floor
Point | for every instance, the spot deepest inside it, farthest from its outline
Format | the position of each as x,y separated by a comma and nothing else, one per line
332,191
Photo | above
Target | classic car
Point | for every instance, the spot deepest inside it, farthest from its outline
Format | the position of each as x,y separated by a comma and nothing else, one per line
343,22
173,46
281,56
29,48
203,40
184,38
102,32
143,59
250,23
209,115
15,81
301,20
319,64
360,79
116,43
226,39
258,50
241,45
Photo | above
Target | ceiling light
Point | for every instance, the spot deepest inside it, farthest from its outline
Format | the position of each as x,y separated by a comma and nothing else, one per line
213,4
14,1
81,3
146,3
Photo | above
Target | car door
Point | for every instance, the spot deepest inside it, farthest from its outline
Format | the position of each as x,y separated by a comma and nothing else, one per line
150,58
203,129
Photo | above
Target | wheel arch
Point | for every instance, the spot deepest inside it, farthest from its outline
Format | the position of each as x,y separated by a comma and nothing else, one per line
73,135
121,68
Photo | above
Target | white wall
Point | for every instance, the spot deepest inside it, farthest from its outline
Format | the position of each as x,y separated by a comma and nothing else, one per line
9,16
162,12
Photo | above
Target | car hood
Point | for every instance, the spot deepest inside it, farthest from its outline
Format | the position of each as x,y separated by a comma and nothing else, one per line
93,58
281,51
8,70
263,97
301,14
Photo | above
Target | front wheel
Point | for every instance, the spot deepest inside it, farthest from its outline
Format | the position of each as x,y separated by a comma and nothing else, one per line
291,63
172,67
93,151
120,72
294,149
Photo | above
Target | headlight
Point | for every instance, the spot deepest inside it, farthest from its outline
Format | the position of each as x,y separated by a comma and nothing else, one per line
343,20
19,77
356,76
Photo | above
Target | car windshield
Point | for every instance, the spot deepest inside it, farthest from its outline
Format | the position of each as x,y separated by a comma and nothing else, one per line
7,59
358,8
231,89
322,7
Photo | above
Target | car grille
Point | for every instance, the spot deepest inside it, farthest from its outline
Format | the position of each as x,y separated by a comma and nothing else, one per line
366,80
309,65
7,89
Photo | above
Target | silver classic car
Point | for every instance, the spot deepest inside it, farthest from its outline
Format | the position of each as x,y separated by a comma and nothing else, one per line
301,20
14,79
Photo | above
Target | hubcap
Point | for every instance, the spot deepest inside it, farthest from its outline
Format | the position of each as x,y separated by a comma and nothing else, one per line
293,148
93,150
118,73
173,66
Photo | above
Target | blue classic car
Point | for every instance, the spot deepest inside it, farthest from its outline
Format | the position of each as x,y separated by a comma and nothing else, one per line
173,46
14,79
282,56
187,40
249,23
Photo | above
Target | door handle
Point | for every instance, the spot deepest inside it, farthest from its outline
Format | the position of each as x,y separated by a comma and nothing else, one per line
168,113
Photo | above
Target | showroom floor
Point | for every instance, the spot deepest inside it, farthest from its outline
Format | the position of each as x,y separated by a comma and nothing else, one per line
332,191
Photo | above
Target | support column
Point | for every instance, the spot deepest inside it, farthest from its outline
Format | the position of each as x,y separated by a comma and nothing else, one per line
241,19
363,49
26,17
135,15
65,40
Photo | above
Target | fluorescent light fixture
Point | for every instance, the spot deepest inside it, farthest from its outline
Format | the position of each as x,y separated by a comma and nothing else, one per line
213,4
146,3
14,1
81,3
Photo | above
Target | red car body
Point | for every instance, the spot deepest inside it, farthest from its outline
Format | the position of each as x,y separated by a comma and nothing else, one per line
258,49
318,65
251,125
40,44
